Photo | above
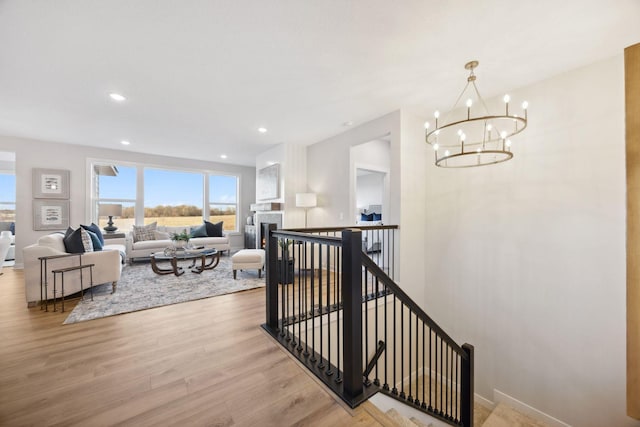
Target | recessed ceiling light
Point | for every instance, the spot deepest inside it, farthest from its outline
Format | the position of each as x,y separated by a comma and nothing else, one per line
262,130
223,156
349,123
117,97
123,142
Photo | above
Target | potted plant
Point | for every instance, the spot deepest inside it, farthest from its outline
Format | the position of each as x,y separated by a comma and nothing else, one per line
180,240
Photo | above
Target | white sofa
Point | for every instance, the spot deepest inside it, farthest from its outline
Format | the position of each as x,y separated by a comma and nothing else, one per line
144,248
108,266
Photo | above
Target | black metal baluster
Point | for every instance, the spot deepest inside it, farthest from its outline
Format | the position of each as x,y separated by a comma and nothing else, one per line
329,371
306,303
289,279
402,395
395,365
446,376
376,380
457,417
386,249
441,382
321,364
282,303
300,308
430,408
417,400
338,305
313,305
386,342
424,367
365,283
410,397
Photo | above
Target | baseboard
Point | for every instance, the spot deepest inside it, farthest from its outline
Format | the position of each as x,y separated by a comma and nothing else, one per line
484,402
500,397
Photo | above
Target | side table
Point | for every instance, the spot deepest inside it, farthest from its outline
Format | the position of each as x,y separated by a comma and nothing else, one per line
61,271
107,236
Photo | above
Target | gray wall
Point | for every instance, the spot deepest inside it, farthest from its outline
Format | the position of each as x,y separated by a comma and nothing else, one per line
42,154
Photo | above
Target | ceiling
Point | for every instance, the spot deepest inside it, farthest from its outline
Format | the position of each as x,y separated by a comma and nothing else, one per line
200,76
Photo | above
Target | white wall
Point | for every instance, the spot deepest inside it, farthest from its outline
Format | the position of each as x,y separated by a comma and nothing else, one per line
526,259
42,154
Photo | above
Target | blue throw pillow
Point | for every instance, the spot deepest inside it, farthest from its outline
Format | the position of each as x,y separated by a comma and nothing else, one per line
96,230
95,240
12,228
200,231
377,217
365,217
214,230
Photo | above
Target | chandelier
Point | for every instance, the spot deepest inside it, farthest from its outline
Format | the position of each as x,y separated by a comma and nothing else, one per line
472,136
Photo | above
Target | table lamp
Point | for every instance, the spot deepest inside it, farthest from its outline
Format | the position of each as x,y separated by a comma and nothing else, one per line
110,210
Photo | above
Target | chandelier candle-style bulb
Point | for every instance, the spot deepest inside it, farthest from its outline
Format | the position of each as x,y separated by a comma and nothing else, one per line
469,139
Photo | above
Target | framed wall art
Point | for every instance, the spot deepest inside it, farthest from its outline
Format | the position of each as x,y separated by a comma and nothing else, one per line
50,184
50,214
269,182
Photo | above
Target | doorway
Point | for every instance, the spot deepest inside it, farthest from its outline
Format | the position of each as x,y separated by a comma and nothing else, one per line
370,166
7,206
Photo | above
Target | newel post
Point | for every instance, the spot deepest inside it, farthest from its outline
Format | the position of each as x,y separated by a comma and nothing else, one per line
272,277
466,387
352,313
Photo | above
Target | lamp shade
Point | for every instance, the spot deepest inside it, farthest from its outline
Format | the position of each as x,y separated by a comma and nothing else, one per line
306,200
107,209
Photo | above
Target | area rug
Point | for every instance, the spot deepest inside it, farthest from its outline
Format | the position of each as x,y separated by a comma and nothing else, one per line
140,288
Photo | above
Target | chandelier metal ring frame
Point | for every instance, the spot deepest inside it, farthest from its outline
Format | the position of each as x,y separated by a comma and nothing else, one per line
490,141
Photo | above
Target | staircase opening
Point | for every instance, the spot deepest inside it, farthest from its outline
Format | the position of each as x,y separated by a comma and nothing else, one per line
337,309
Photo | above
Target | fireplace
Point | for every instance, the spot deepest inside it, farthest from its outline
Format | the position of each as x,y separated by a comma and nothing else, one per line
266,218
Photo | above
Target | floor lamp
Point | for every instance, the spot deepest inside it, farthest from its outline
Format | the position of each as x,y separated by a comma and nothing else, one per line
306,201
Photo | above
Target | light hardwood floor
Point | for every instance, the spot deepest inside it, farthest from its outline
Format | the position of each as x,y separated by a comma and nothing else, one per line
204,362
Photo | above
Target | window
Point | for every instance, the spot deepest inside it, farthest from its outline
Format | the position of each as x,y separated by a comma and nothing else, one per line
7,197
116,184
169,197
223,201
173,198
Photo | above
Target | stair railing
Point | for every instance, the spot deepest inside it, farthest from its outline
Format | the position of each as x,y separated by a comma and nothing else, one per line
343,317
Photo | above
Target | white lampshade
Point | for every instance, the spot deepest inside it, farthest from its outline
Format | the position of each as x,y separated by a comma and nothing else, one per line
306,200
107,209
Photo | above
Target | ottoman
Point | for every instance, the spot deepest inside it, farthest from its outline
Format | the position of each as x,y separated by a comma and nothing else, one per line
247,259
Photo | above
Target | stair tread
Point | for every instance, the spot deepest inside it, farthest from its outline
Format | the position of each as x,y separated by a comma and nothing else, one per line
378,414
505,416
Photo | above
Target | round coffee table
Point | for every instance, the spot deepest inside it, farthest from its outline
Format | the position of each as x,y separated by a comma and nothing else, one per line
209,259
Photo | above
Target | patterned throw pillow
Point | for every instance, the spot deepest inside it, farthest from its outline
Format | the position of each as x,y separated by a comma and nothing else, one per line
144,232
96,230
